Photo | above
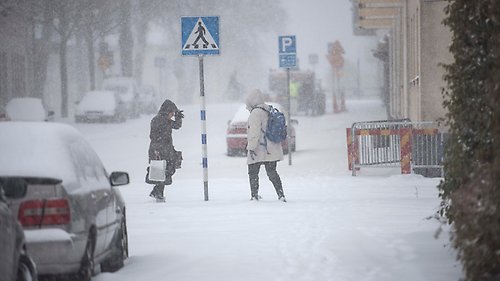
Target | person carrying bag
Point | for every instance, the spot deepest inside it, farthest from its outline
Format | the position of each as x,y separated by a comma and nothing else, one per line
162,154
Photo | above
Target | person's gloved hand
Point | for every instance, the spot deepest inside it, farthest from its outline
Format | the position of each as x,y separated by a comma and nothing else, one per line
252,154
179,114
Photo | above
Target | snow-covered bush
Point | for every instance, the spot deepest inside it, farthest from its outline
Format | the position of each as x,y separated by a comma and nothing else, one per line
470,191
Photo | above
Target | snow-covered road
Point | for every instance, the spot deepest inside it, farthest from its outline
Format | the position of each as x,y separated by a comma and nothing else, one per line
334,227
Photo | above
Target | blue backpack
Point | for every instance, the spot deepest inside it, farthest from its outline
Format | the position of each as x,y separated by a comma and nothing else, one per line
276,130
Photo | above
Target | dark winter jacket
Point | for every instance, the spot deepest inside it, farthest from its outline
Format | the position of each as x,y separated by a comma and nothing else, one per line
162,145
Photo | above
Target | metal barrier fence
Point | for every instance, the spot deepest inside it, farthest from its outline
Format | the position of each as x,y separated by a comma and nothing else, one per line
413,146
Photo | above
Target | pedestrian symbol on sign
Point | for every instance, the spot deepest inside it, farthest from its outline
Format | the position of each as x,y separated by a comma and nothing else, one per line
200,32
201,35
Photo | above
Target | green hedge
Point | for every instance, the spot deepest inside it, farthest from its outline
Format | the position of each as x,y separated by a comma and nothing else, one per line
470,191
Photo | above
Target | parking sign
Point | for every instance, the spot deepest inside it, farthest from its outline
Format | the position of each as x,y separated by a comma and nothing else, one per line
287,51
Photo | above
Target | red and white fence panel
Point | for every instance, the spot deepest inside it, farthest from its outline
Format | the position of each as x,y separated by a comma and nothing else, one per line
412,146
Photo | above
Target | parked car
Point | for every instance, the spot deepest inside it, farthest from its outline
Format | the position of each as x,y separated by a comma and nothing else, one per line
149,102
100,106
128,93
15,263
72,213
236,136
27,109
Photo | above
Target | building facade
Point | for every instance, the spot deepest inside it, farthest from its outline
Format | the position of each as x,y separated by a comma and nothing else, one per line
416,43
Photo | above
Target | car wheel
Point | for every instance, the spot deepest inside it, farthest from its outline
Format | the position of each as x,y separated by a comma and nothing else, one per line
230,152
119,250
87,267
26,269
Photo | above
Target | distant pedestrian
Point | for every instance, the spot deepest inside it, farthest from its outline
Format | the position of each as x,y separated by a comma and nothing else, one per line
161,146
261,151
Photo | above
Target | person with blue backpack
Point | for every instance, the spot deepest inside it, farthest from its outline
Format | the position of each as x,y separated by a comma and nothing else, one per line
261,149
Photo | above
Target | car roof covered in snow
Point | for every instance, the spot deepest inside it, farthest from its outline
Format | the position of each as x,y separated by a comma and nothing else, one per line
25,109
40,149
97,100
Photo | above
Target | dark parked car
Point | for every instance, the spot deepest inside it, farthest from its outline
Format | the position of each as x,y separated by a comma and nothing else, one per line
71,211
15,263
236,136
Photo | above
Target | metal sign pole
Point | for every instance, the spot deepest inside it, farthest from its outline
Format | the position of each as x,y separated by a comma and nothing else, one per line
203,129
289,118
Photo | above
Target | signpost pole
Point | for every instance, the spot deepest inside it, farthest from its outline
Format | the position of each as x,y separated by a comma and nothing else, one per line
288,117
288,58
203,129
200,36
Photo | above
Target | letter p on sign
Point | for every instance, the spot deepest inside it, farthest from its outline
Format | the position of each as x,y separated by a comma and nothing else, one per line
287,44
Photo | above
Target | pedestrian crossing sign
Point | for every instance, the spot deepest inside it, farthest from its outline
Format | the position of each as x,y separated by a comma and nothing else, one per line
200,35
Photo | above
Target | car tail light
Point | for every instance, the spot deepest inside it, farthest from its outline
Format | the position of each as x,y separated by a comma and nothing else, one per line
44,212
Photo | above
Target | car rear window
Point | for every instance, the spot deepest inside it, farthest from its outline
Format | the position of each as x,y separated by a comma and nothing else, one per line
15,187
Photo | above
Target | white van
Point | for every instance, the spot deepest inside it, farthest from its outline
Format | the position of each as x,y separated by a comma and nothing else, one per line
128,92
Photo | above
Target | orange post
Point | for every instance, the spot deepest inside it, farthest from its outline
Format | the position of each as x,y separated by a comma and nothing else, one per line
349,148
405,135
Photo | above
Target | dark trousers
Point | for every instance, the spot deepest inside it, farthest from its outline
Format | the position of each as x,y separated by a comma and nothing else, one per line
158,188
253,175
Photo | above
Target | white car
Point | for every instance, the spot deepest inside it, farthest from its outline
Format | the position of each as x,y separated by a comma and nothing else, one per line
128,93
149,102
70,208
100,106
27,109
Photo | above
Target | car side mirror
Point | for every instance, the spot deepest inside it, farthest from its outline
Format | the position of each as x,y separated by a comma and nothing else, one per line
119,178
294,121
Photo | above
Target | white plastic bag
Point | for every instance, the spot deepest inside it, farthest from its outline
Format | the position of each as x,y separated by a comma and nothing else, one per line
157,170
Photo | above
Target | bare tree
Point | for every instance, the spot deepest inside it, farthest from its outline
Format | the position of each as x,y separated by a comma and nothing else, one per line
99,20
67,15
40,17
125,39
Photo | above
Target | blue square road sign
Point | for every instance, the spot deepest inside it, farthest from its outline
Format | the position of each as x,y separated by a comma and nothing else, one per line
200,35
287,50
288,60
287,44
